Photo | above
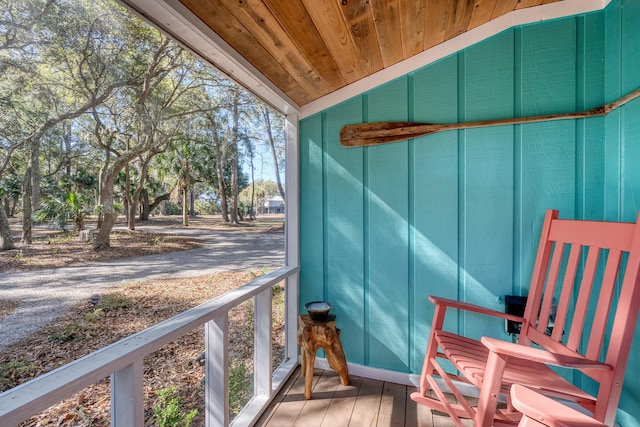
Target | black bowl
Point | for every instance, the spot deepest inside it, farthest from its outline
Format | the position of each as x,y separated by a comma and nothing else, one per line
318,310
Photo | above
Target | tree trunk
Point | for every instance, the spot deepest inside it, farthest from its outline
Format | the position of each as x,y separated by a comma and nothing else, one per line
192,204
159,201
14,208
234,160
222,190
109,215
125,209
129,200
66,140
103,240
185,207
234,189
274,155
131,220
35,174
145,208
138,195
27,224
100,219
253,181
224,206
6,242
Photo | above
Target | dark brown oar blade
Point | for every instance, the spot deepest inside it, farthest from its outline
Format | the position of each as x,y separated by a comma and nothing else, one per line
365,134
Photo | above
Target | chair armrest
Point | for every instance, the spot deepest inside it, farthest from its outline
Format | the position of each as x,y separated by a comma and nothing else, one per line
474,308
547,411
540,355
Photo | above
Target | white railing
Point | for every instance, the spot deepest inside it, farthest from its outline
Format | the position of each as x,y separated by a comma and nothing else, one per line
123,361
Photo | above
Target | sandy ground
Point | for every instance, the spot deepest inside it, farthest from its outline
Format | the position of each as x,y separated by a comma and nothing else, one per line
33,298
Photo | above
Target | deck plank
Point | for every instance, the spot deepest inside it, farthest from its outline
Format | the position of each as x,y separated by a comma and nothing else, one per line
392,405
367,407
273,406
365,402
342,404
314,410
417,415
291,405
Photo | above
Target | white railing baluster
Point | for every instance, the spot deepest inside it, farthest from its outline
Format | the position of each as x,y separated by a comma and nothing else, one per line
217,371
262,353
124,360
127,396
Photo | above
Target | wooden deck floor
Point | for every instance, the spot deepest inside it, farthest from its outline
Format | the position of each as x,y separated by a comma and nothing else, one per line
364,403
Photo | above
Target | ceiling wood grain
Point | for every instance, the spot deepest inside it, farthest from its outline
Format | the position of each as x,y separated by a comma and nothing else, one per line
359,19
482,12
310,48
387,21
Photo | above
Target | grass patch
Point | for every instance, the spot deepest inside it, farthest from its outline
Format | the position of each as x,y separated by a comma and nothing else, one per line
59,239
168,411
78,330
89,325
15,370
115,302
240,386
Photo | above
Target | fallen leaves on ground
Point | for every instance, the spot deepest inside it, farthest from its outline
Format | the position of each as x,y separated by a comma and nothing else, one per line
123,311
65,248
53,248
127,309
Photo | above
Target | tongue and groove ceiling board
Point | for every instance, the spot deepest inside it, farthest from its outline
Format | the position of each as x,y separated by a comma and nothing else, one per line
310,48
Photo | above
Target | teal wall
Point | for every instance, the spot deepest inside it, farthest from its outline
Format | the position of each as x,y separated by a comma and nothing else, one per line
458,213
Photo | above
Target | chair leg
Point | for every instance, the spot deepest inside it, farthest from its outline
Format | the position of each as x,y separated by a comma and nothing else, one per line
432,349
490,391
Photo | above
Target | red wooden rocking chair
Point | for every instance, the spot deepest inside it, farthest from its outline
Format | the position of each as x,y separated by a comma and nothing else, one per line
592,270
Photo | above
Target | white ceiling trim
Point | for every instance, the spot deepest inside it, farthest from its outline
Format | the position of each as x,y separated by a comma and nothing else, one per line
173,18
518,17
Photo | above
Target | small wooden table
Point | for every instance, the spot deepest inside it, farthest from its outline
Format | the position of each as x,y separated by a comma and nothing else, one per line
313,335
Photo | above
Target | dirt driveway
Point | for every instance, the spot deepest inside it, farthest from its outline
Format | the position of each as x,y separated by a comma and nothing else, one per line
44,294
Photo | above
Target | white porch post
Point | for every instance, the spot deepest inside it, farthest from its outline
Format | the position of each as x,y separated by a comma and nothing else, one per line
292,233
127,396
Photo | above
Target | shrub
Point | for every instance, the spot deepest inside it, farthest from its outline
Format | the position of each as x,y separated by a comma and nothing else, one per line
168,411
58,211
240,386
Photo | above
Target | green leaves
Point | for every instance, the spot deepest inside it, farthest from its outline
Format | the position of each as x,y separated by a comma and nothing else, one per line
58,211
168,411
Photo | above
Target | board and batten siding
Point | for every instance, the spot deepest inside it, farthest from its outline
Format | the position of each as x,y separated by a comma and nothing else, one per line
458,213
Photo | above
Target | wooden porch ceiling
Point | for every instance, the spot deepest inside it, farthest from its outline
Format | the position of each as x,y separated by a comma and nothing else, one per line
310,48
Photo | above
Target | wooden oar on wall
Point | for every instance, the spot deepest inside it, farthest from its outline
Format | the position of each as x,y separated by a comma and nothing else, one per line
365,134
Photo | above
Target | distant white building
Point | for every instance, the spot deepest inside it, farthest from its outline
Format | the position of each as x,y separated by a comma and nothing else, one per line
274,205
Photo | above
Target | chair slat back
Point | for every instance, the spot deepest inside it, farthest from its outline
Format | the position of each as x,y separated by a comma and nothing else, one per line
586,278
538,279
565,295
605,298
552,280
584,294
